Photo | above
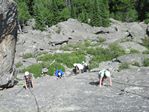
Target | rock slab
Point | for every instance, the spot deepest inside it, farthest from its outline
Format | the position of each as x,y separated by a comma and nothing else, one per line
8,38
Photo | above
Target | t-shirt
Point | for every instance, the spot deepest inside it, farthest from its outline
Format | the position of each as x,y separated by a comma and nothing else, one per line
80,66
104,72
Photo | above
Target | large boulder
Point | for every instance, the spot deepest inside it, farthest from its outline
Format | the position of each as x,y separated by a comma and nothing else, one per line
133,58
136,31
132,46
8,38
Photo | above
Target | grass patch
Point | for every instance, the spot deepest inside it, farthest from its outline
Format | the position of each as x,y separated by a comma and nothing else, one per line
52,68
19,64
35,69
101,39
124,66
146,52
80,49
145,42
27,55
146,62
77,46
67,59
133,51
136,64
104,54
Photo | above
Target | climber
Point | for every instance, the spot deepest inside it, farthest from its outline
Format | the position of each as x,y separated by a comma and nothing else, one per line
44,71
28,80
59,73
78,68
104,74
85,68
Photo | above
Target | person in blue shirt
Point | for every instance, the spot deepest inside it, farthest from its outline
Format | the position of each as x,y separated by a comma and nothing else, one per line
59,73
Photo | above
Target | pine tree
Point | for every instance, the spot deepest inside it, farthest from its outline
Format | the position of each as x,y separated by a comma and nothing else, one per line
104,12
95,17
23,14
100,13
30,4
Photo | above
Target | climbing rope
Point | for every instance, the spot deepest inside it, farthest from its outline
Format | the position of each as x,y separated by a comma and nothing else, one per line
125,91
37,105
137,85
38,109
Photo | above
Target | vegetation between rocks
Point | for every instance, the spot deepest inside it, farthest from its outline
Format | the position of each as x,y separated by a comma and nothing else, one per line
93,12
146,62
124,66
79,51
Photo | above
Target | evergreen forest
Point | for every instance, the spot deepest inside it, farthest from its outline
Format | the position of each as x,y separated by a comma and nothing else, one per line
93,12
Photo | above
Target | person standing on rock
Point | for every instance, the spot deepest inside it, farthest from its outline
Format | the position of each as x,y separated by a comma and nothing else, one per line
104,74
28,80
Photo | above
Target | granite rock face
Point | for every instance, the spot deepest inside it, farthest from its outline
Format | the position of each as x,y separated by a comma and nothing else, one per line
8,38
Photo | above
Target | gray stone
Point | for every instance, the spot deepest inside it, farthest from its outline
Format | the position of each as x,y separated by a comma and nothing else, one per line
81,93
133,58
133,46
8,38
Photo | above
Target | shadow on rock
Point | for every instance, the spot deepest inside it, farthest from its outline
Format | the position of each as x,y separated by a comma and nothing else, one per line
8,85
94,83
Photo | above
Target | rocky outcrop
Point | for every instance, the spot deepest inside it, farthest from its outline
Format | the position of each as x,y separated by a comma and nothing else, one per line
81,93
133,58
8,37
132,46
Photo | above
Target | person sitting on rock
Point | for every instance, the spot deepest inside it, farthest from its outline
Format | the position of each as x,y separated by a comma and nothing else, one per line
104,74
59,73
78,68
28,80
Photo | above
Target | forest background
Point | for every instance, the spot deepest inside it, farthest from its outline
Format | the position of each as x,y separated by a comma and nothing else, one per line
93,12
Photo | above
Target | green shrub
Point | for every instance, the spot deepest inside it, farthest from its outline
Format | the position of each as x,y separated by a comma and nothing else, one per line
36,69
52,68
116,50
67,59
146,52
133,51
80,45
87,43
104,54
124,66
27,55
93,64
146,62
136,64
19,64
101,39
146,42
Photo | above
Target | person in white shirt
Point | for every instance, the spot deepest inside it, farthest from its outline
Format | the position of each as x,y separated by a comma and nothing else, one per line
104,74
78,68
